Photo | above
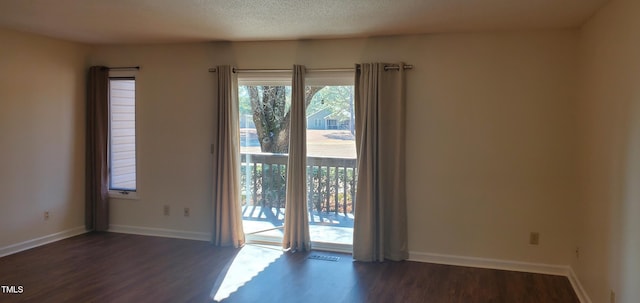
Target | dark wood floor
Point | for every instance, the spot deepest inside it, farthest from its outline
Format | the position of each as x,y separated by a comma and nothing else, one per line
111,267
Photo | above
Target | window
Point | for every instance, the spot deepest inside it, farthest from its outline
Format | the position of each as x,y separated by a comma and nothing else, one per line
122,137
332,124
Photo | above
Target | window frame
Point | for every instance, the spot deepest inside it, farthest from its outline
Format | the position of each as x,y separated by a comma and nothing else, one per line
115,193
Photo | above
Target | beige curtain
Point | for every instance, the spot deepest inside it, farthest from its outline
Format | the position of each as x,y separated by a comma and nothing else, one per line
296,220
380,227
227,230
96,184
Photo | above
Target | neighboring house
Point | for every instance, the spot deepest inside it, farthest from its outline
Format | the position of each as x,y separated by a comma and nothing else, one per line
328,119
318,120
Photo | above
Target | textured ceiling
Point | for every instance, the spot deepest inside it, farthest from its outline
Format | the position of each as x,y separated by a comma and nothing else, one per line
151,21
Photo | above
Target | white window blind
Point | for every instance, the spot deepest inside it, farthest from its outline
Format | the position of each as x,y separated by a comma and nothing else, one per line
122,134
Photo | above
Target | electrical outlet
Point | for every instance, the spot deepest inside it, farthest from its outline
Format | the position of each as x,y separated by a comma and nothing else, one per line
534,238
612,297
166,210
187,212
46,215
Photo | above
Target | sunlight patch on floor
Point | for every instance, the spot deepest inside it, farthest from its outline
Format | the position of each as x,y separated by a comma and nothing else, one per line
247,264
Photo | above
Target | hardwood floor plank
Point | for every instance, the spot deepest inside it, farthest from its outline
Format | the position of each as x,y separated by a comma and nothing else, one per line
111,267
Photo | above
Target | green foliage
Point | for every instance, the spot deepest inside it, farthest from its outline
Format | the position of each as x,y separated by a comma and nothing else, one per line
244,101
330,189
337,98
267,181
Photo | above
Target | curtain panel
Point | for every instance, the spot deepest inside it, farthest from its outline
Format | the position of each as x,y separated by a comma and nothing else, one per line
227,229
296,221
96,174
380,224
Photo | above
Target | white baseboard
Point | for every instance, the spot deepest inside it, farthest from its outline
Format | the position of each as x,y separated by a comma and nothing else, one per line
160,232
490,263
577,286
558,270
18,247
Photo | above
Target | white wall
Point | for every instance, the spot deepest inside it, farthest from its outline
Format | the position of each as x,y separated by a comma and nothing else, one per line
492,120
42,91
491,128
609,230
175,110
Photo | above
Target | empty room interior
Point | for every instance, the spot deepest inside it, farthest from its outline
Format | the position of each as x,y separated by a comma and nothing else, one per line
520,127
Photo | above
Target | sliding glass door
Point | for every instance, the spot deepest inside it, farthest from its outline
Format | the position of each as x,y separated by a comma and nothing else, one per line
265,100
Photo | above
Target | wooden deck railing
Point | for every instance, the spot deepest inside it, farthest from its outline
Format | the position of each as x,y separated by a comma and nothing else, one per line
331,183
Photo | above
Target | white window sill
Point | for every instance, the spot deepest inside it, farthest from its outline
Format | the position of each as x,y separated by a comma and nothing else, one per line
124,195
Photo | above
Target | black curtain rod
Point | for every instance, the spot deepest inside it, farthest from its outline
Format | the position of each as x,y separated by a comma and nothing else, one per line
123,68
237,70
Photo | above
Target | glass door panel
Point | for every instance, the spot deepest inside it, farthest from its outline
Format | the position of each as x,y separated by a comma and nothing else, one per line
264,145
331,164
